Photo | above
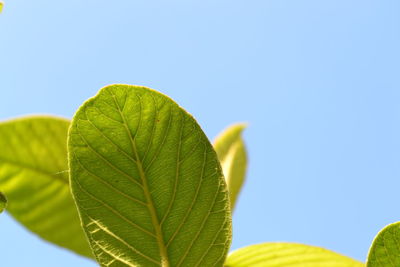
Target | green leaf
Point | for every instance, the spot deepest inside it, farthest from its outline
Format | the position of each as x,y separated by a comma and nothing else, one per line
34,176
232,154
385,250
3,202
147,182
288,255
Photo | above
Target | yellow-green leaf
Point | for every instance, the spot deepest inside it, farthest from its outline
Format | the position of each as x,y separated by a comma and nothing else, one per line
385,250
147,182
288,255
34,176
1,6
232,154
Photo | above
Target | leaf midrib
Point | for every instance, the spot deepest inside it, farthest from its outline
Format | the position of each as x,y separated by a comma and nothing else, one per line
150,204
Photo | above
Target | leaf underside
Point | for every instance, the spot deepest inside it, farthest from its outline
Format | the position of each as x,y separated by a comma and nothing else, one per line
147,182
231,152
34,177
288,255
385,250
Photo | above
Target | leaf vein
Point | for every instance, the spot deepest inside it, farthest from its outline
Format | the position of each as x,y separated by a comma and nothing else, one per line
162,142
201,227
172,200
111,141
188,211
110,233
113,210
109,163
102,180
150,205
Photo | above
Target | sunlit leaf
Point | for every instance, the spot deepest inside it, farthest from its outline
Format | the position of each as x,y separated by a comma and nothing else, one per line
1,6
34,177
288,255
232,154
385,250
147,182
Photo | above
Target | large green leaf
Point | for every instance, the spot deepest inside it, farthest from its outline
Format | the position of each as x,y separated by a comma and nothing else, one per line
385,250
288,255
232,154
147,182
3,202
34,177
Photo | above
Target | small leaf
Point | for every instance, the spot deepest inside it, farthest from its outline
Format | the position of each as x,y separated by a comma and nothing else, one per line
385,249
232,154
3,202
147,182
288,255
34,176
1,6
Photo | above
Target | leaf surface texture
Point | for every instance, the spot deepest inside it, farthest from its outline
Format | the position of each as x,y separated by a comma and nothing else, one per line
385,249
147,182
34,177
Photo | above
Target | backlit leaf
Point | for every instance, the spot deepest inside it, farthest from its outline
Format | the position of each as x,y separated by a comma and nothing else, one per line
385,250
34,177
288,255
232,154
147,182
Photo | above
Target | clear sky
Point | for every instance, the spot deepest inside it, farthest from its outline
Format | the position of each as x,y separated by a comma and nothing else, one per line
318,82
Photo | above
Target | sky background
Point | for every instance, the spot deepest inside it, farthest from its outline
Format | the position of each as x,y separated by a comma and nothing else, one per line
317,81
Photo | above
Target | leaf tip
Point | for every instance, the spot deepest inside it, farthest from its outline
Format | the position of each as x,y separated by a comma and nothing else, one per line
230,133
240,126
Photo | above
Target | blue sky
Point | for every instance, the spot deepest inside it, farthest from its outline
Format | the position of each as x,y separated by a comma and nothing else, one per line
318,82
